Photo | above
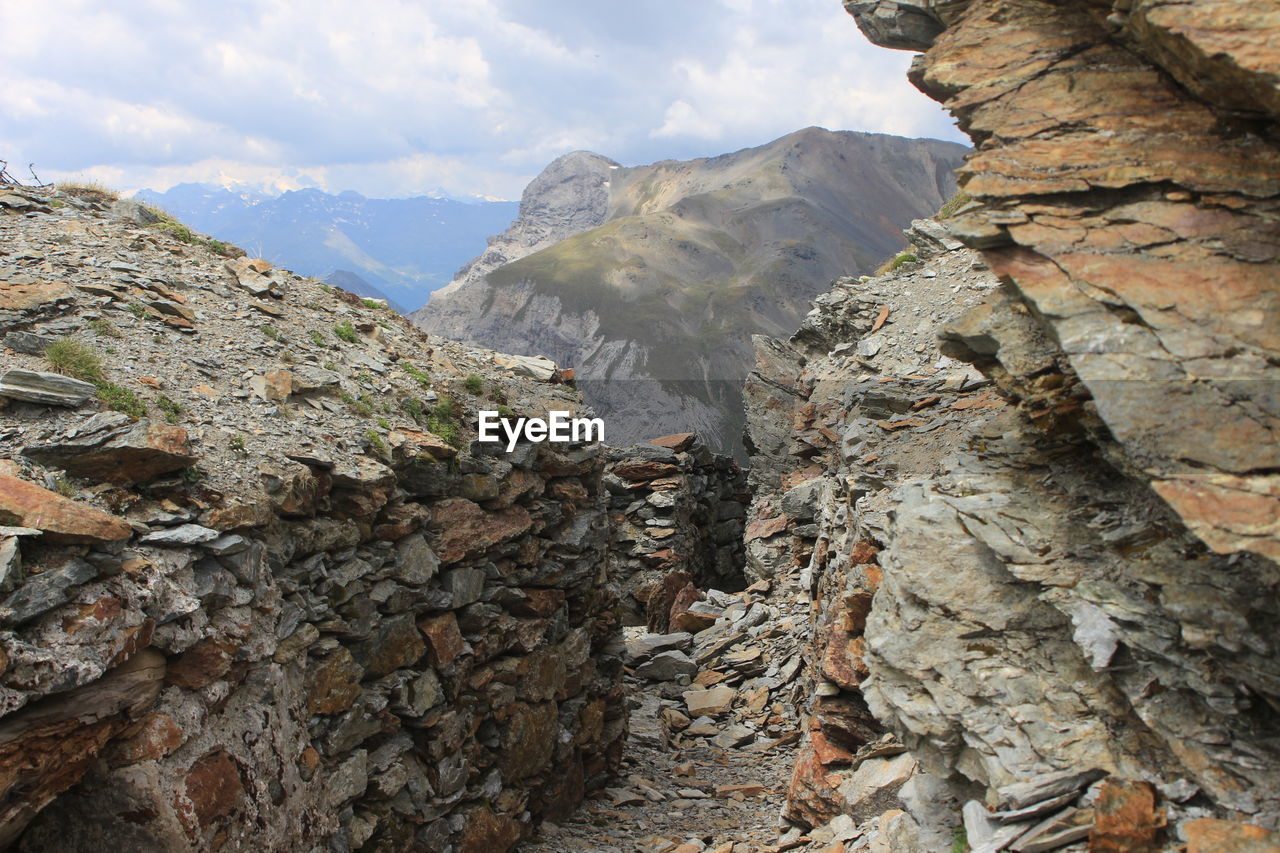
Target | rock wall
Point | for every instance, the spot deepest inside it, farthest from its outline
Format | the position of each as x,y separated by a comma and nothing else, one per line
1060,570
677,513
331,629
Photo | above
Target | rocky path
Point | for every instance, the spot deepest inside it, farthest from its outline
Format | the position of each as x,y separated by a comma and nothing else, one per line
714,731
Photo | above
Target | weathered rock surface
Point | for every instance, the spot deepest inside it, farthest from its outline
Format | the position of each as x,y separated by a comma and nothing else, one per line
115,448
344,625
992,579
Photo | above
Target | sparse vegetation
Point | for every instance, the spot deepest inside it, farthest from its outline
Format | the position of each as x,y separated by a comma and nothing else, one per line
474,383
414,407
957,201
171,408
897,261
90,191
74,359
237,444
372,303
345,331
137,310
318,339
443,421
103,327
121,399
384,423
506,412
362,406
63,486
182,233
423,378
959,840
271,332
375,441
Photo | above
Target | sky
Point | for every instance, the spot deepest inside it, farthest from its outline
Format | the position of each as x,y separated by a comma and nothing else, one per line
393,98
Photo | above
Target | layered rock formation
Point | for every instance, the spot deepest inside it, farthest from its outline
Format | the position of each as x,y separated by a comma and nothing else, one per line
261,590
1054,581
650,280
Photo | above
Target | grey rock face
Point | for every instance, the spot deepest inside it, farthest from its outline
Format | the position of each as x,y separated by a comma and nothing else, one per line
51,389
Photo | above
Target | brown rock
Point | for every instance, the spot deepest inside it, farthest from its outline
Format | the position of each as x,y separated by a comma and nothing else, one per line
444,640
462,528
202,664
528,740
644,470
1227,836
395,643
677,442
487,832
273,385
64,521
113,447
710,702
213,789
1125,818
333,683
154,737
411,443
763,528
812,798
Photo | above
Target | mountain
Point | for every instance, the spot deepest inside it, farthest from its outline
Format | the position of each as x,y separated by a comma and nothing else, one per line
402,248
651,280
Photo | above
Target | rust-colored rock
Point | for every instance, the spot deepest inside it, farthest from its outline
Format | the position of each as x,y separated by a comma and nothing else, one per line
202,664
678,442
812,800
213,789
488,832
1126,819
333,683
64,521
273,385
444,640
1228,836
645,470
462,528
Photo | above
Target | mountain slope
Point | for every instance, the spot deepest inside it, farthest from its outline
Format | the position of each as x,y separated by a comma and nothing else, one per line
403,248
655,305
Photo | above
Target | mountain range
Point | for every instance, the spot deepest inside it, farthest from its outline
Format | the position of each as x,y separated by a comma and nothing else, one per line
650,281
398,249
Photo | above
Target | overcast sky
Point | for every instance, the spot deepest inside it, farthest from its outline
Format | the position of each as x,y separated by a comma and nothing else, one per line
400,97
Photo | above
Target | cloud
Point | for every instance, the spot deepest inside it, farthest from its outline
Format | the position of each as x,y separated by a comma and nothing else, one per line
396,97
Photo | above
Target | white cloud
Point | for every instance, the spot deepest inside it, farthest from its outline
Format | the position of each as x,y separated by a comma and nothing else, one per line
395,97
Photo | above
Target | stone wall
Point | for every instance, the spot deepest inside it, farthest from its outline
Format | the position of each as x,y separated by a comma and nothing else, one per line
677,512
335,630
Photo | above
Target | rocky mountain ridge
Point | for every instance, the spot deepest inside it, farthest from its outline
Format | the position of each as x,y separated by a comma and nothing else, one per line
649,280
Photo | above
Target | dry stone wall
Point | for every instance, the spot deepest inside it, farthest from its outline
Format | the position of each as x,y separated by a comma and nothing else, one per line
677,513
329,629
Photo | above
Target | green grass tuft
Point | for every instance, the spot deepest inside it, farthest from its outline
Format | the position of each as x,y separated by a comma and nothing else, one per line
74,359
345,331
474,383
121,399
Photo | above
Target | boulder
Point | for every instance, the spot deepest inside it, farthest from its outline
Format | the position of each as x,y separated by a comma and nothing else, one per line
62,520
113,447
50,389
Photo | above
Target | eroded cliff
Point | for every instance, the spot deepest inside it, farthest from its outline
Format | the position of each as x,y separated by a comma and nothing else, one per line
1058,591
